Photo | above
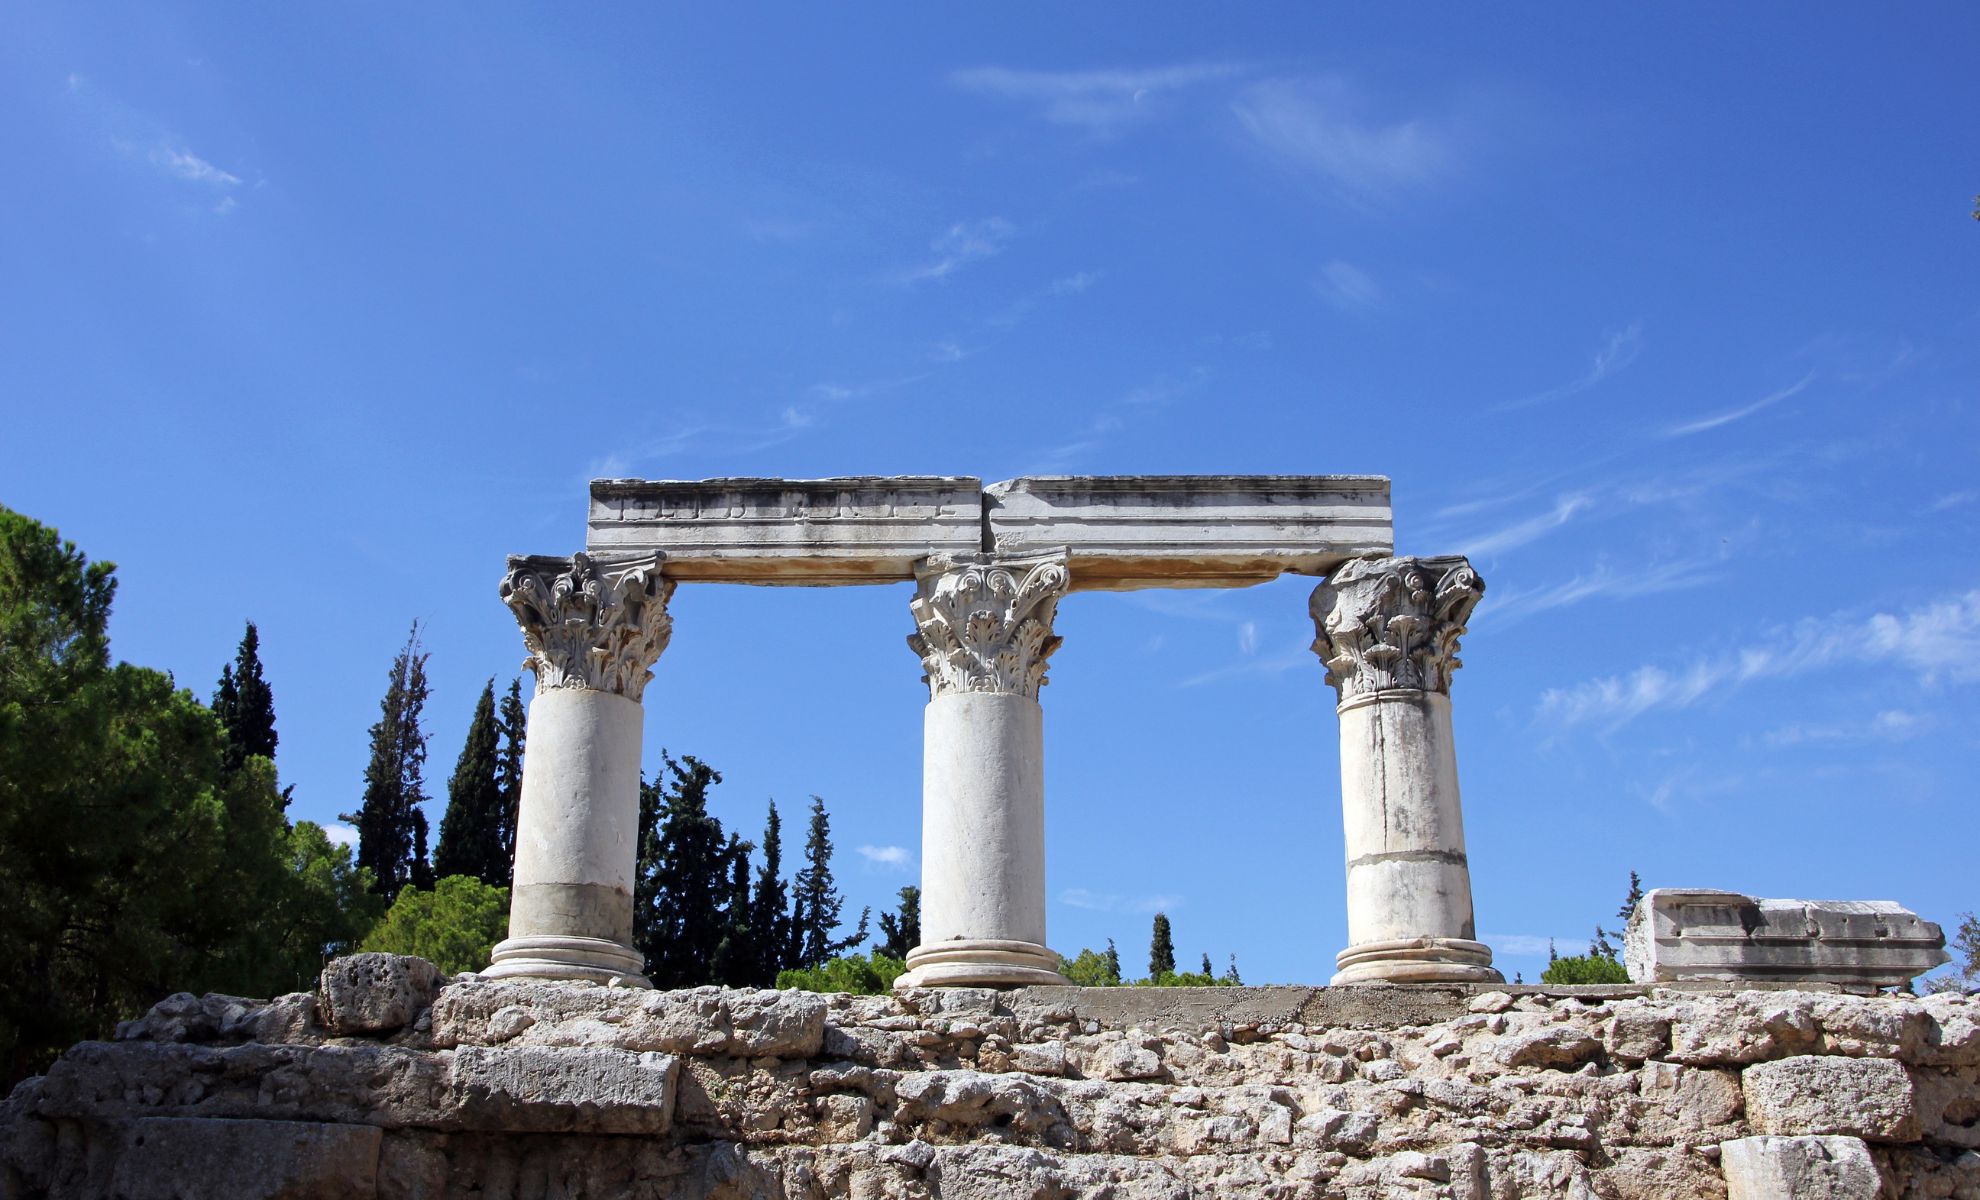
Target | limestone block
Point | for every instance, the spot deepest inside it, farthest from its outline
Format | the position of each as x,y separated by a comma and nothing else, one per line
544,1089
1137,531
1872,1098
1804,1168
861,529
1699,933
376,993
704,1020
193,1158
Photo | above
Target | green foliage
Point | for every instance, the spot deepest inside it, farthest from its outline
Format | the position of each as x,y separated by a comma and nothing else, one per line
684,903
132,862
862,975
901,932
816,902
1089,969
391,827
471,830
1586,968
245,704
769,909
455,926
329,909
1161,949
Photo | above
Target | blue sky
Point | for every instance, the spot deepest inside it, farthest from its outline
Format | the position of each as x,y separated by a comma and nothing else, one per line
310,316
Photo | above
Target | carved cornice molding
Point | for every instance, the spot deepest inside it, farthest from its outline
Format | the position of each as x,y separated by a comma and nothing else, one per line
590,623
985,621
1384,623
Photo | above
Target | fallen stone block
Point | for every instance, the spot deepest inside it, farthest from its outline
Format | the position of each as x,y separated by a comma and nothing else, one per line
197,1158
376,993
1678,934
1804,1168
557,1090
1871,1098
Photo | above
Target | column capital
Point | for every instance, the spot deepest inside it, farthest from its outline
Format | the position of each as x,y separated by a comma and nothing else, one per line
1383,623
591,623
984,621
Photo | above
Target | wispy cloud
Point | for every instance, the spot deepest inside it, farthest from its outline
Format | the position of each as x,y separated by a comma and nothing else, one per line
1113,902
1317,129
1347,287
705,439
189,166
1938,642
341,835
1115,416
1099,101
1954,500
1291,658
1519,533
1702,424
961,244
1247,637
1601,583
1074,284
1890,725
142,139
1618,350
886,856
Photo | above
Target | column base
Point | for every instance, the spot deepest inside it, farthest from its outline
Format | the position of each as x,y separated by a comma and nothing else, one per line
592,960
1417,960
981,962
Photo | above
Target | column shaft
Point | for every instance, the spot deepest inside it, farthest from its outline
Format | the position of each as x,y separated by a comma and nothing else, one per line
985,632
593,632
1388,631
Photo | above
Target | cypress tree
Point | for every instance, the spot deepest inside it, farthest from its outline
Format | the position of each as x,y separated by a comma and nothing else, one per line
508,776
1113,964
1161,949
902,933
736,954
390,824
816,910
471,828
245,705
1207,968
770,918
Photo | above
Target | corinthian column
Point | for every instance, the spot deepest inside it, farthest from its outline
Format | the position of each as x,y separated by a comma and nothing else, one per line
985,634
593,628
1388,631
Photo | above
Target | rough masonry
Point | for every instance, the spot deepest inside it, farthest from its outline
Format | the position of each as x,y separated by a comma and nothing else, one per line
517,1088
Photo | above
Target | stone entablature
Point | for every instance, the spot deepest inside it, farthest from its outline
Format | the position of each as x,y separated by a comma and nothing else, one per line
1705,934
1120,531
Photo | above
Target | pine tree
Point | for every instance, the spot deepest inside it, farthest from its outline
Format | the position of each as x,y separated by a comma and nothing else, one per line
816,910
508,776
1233,979
1207,968
1161,949
391,826
245,705
769,915
471,828
1629,902
1113,964
902,933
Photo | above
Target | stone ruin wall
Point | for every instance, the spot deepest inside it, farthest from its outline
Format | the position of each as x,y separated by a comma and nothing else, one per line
385,1084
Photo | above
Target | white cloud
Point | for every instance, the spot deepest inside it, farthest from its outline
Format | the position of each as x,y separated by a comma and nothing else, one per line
189,166
1939,642
1313,127
1890,725
1953,500
891,856
1602,583
961,244
1247,636
1521,532
1618,350
1726,418
1073,285
341,835
1347,287
1099,101
1111,902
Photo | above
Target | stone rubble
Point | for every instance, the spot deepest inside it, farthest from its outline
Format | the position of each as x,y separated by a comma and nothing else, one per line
538,1089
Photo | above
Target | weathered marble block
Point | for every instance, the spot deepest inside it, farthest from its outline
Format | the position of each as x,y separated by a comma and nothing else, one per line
1703,934
857,529
1138,531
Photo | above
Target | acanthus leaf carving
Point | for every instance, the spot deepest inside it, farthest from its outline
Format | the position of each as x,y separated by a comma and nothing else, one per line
591,623
985,622
1388,623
